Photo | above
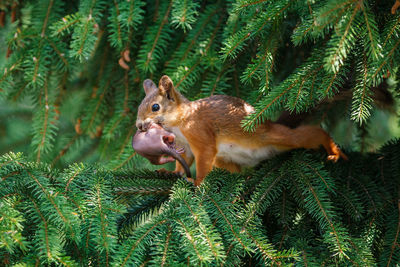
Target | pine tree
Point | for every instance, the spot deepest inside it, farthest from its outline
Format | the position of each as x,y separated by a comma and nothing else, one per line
70,84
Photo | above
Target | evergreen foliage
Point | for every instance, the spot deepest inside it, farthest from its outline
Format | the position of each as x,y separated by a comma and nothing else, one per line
292,209
76,69
71,76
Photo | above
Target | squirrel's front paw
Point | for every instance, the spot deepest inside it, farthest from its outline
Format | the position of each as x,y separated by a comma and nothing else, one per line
163,170
190,180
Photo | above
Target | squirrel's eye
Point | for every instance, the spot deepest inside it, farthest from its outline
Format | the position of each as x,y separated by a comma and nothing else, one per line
155,107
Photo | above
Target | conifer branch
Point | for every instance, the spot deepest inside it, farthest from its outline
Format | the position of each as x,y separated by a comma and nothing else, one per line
234,43
119,34
195,216
102,223
342,6
115,124
362,99
51,200
124,144
58,52
372,31
164,257
183,14
195,38
64,149
326,218
385,61
336,59
191,238
46,116
51,2
264,252
134,246
331,82
199,60
250,3
45,227
318,174
395,242
374,208
125,161
254,206
391,32
255,118
65,23
126,97
140,190
236,235
188,73
149,55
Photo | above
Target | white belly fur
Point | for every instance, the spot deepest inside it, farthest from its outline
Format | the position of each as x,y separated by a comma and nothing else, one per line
243,156
231,152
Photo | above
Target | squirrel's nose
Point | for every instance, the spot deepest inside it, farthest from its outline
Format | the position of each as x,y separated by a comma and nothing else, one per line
139,125
142,125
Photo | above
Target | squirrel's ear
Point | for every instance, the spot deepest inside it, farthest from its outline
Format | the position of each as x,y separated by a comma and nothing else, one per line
166,86
149,86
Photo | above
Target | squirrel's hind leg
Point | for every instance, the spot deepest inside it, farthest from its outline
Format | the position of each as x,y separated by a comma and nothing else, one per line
307,136
229,166
313,137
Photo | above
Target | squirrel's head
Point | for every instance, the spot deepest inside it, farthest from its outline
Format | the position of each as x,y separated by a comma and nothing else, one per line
159,103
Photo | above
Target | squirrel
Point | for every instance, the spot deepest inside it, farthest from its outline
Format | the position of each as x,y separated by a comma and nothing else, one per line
210,130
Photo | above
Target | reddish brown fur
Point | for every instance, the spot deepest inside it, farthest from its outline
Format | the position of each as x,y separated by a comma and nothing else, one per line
207,123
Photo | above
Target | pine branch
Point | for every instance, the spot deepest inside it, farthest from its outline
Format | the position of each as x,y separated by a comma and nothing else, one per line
195,36
125,17
11,226
343,39
262,65
136,242
319,23
266,193
235,43
373,43
155,42
283,93
393,236
268,253
64,25
318,205
183,14
219,221
44,124
84,38
163,245
362,96
240,4
188,77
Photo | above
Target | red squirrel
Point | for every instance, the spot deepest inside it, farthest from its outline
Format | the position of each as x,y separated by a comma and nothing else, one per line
155,143
210,130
